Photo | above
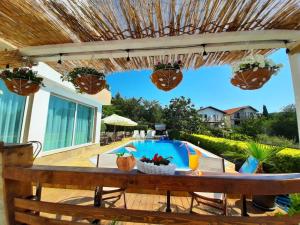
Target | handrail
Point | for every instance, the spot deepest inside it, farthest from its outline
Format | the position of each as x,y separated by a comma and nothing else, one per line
258,184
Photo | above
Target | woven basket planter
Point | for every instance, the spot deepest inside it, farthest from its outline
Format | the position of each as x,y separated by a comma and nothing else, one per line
22,87
166,79
150,168
251,80
90,84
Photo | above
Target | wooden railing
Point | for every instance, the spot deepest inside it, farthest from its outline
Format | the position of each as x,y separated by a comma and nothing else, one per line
19,178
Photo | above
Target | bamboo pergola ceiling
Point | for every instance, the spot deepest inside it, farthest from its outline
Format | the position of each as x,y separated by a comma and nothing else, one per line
47,22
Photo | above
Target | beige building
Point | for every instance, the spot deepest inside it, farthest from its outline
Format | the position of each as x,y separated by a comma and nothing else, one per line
235,116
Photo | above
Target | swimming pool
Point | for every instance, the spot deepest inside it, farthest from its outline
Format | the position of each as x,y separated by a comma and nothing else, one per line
165,148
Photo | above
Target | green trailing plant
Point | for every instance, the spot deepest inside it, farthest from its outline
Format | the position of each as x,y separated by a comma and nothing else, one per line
22,73
168,66
81,71
295,204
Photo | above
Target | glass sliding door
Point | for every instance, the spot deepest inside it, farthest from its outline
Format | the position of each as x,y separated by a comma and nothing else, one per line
11,115
84,124
60,124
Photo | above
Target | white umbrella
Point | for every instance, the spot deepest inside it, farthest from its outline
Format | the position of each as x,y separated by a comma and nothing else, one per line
117,120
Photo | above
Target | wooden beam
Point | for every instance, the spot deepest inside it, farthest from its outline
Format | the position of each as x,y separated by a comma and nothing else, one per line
162,51
12,58
295,48
139,216
181,181
164,42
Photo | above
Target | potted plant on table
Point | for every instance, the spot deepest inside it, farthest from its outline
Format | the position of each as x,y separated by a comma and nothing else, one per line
166,76
86,80
126,161
22,81
253,72
156,165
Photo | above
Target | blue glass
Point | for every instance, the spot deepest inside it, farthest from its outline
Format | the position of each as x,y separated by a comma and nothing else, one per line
84,124
60,123
249,166
11,115
164,148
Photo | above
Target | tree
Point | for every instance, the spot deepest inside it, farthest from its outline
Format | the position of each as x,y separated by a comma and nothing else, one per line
181,115
265,111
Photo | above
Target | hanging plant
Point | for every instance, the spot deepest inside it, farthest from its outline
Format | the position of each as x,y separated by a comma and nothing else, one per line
86,80
166,76
22,81
253,72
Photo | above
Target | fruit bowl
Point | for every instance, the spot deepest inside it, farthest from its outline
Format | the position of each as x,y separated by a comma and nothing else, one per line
157,165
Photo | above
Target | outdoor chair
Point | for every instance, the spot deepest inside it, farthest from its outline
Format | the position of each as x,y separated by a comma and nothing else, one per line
104,139
136,134
150,134
142,134
215,200
108,195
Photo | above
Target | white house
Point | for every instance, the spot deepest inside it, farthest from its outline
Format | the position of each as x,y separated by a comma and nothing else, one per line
57,116
213,116
235,116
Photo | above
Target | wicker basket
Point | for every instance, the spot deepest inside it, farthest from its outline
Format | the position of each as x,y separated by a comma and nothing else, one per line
166,79
251,80
150,168
22,87
90,84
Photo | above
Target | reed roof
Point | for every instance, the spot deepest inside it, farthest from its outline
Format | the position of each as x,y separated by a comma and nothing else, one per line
41,22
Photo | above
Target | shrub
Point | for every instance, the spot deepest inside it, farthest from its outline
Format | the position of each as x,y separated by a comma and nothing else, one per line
174,134
275,140
286,161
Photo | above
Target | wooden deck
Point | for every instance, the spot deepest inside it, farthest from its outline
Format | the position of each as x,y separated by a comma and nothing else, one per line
153,202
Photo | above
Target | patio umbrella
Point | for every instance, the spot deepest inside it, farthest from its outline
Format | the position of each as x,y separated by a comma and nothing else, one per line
117,120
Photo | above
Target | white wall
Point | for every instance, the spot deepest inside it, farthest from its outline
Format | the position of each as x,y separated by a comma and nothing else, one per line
210,113
54,85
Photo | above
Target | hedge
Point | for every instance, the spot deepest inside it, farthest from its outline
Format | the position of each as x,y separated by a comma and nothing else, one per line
286,161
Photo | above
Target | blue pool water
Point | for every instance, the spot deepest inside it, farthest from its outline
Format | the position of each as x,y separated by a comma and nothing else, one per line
164,148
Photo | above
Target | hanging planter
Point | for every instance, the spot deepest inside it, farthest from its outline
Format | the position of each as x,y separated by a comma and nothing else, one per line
253,72
166,76
22,81
86,80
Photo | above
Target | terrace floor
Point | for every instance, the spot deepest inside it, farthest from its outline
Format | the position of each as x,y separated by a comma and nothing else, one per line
154,202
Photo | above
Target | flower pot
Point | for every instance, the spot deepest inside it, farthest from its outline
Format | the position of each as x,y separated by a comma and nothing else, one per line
264,202
21,87
166,79
90,84
250,79
126,163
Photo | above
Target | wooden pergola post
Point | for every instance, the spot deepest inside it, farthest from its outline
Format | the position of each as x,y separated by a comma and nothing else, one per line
13,155
295,71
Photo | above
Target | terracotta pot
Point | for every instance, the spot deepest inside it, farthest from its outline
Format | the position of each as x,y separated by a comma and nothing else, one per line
251,80
166,79
22,87
90,84
126,163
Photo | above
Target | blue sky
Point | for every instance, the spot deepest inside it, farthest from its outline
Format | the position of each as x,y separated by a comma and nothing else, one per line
210,86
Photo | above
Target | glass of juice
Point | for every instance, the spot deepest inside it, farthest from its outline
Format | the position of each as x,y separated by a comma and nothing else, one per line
194,162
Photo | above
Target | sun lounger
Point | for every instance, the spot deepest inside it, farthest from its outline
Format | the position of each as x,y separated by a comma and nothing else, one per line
136,134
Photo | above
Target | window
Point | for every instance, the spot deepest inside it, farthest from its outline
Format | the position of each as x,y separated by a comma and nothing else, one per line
84,124
11,115
68,124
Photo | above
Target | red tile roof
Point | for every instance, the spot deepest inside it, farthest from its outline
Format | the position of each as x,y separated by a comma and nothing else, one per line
233,110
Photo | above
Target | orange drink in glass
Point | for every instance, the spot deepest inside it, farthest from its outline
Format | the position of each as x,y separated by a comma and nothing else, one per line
193,161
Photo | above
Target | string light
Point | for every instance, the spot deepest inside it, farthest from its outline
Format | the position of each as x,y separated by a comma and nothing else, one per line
59,61
204,54
128,58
